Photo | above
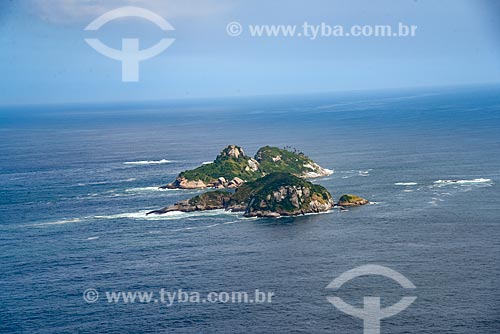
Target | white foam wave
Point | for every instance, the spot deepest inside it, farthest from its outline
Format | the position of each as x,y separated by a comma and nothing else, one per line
105,182
207,162
435,201
405,183
144,189
92,238
463,182
156,189
92,183
148,162
354,172
201,227
58,222
141,215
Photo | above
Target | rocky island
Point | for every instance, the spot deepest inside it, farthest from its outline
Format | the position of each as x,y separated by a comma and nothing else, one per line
274,195
271,184
233,167
351,200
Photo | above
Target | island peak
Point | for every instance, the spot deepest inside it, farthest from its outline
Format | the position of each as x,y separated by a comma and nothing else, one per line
233,167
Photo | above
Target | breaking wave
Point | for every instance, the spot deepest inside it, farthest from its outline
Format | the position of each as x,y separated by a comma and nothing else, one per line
148,162
131,179
440,183
58,222
405,183
145,189
173,215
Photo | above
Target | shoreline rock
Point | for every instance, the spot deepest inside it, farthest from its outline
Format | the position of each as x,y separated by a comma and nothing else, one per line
274,195
211,200
183,183
351,200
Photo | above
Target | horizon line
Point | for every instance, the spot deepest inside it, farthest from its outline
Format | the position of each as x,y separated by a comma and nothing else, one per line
217,97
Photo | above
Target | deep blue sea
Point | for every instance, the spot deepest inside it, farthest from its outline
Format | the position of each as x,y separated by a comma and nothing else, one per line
76,180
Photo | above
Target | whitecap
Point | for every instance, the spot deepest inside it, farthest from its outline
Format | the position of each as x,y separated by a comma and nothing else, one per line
434,201
405,183
105,182
148,162
92,238
353,172
93,183
133,215
172,215
156,189
195,227
130,179
145,189
479,181
231,222
58,222
207,162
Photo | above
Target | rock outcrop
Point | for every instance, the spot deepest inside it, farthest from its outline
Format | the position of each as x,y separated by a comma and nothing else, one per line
274,195
183,183
351,200
283,194
211,200
232,151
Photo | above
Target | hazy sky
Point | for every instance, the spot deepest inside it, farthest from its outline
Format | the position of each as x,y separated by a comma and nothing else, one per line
44,58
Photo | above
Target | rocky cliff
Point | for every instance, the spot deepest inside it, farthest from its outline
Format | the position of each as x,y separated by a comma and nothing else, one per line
283,194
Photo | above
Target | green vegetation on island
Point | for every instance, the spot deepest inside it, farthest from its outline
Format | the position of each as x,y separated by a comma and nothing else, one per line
283,194
233,167
351,200
229,164
276,194
271,184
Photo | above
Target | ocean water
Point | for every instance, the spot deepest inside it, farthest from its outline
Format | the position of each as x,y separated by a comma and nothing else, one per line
76,180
